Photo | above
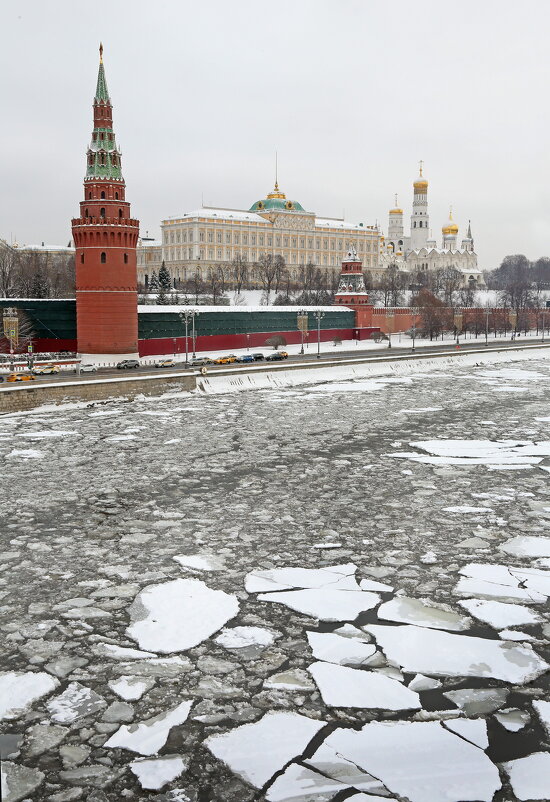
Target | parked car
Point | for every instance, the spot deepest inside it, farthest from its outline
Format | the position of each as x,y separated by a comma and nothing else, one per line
20,377
126,364
45,369
200,361
258,357
87,369
284,354
276,356
225,360
165,363
245,358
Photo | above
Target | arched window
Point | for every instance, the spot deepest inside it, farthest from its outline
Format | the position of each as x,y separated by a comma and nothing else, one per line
81,258
102,211
103,258
102,195
116,195
89,196
87,215
125,258
120,213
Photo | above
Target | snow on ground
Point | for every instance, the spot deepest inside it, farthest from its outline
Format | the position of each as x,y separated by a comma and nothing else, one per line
431,611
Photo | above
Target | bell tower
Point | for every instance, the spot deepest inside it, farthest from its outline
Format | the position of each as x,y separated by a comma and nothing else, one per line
105,237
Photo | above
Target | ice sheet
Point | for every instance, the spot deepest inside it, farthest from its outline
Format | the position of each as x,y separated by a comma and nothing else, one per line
147,737
500,614
326,604
349,687
414,611
18,690
341,577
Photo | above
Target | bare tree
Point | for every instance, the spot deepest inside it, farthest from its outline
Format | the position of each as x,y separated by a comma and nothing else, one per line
267,270
239,273
8,263
391,286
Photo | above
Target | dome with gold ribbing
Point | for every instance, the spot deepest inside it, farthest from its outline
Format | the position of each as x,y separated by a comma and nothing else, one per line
396,209
276,200
450,228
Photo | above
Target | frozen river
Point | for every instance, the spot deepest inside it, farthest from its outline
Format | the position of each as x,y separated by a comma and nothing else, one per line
331,592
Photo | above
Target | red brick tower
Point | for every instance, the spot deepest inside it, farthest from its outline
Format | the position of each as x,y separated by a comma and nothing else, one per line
105,238
352,291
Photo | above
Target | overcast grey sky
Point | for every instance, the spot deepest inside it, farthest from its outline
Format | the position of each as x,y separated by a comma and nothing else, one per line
351,93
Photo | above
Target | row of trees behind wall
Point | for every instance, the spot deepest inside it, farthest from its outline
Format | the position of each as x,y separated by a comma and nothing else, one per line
517,282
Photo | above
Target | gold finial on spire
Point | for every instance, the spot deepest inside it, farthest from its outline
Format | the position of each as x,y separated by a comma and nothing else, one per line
396,199
276,174
421,163
450,212
101,52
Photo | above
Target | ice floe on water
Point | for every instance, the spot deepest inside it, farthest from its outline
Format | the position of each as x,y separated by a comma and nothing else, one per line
478,701
17,782
350,687
437,653
200,562
527,546
245,637
326,604
18,690
300,784
25,453
493,453
154,773
343,651
542,709
337,577
331,764
500,614
419,761
415,611
165,617
147,737
258,751
474,730
45,434
530,776
76,701
513,719
504,583
130,688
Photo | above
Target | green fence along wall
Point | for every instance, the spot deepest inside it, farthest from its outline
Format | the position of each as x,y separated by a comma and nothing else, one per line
153,325
47,318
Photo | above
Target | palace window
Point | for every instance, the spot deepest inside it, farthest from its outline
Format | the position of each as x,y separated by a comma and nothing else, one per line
210,236
325,245
293,242
245,239
211,253
278,242
253,239
227,239
219,236
178,237
310,242
261,239
333,245
269,241
201,236
302,242
103,258
285,242
236,239
171,236
219,253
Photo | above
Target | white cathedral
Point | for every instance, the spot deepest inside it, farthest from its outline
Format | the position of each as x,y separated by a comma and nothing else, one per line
418,253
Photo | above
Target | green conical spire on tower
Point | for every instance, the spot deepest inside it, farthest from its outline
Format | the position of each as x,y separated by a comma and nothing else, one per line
101,92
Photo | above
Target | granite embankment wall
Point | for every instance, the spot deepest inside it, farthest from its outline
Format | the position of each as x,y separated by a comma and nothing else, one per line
20,398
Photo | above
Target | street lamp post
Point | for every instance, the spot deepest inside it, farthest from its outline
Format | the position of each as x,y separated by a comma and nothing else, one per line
194,334
301,315
318,315
487,326
185,316
414,335
543,321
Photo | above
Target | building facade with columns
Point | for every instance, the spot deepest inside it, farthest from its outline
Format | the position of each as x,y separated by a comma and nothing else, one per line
417,252
207,238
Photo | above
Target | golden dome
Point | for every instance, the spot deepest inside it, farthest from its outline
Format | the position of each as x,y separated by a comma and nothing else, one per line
450,227
277,192
421,184
396,211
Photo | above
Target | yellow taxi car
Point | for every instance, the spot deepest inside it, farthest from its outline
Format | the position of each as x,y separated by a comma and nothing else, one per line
165,363
225,360
41,370
20,377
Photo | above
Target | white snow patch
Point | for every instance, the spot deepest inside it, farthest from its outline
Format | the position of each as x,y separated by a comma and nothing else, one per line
153,774
165,617
500,453
44,434
371,584
75,702
147,737
257,751
300,784
120,652
437,653
500,614
349,687
464,508
18,690
542,709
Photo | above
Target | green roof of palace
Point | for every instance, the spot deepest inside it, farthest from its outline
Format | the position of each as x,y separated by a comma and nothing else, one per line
279,204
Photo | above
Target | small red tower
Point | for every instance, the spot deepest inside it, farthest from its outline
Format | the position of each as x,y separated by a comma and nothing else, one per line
352,291
105,238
